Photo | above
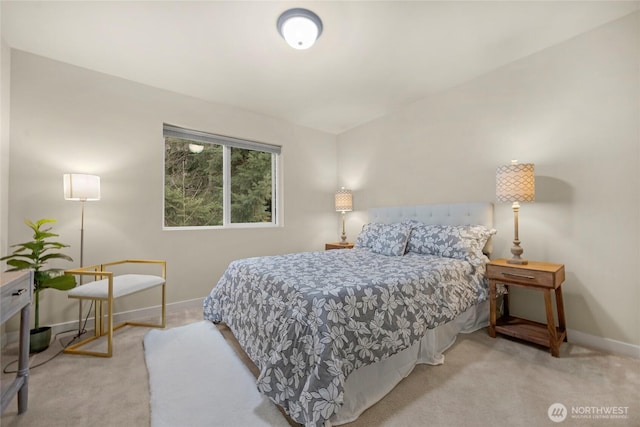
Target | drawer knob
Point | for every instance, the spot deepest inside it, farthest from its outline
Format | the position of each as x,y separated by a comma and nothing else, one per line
520,276
19,292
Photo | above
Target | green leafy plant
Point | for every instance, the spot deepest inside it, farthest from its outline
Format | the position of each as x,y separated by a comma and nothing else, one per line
34,255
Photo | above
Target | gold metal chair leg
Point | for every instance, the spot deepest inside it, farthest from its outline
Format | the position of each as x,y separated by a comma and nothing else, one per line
101,329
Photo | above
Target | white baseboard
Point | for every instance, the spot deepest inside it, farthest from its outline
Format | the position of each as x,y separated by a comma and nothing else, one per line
604,344
143,313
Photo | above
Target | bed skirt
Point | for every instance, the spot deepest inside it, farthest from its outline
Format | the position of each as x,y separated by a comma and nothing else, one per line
369,384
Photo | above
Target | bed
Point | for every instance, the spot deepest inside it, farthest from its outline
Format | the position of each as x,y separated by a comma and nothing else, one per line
332,332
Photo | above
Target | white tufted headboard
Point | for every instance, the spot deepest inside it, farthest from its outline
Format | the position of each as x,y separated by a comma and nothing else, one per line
447,214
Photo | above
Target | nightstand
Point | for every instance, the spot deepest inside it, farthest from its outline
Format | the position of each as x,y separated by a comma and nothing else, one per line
541,276
338,245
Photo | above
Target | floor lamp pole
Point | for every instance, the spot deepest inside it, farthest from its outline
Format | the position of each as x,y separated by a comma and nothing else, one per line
81,187
82,202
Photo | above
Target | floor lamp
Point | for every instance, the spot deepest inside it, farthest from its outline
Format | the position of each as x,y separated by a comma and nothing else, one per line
82,188
516,183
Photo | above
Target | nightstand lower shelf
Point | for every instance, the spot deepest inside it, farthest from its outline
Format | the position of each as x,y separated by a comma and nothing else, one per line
529,330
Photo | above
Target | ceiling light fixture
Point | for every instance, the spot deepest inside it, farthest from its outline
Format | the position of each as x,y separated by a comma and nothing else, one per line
299,27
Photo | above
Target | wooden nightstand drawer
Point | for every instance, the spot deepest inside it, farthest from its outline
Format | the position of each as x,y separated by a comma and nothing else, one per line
533,274
337,245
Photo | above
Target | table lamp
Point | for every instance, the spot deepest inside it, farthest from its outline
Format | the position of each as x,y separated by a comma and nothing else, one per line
344,204
516,183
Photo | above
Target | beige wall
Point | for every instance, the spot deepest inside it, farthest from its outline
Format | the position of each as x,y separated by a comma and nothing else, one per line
573,110
67,119
5,96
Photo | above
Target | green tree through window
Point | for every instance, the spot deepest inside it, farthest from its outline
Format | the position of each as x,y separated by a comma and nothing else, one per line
195,185
250,186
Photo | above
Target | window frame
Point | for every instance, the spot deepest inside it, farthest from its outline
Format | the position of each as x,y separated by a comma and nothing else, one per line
227,143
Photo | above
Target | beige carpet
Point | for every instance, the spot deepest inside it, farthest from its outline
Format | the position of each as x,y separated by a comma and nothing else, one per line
483,382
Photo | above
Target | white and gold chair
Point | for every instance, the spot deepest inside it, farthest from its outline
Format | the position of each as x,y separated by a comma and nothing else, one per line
106,288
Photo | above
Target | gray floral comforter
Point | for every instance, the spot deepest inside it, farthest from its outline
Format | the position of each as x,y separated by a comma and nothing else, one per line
307,320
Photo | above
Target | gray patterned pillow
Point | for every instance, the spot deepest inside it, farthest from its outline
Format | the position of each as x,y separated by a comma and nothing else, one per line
451,241
384,239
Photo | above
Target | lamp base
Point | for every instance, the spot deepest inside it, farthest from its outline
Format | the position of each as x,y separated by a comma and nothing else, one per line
343,236
516,251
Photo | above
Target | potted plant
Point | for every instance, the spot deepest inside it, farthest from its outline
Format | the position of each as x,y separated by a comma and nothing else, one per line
34,255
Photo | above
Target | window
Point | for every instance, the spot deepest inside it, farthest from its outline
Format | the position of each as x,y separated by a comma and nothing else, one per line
217,181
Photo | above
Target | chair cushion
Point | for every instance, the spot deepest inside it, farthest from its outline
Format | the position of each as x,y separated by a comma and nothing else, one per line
125,284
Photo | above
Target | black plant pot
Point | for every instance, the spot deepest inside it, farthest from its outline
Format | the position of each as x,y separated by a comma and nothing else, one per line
39,339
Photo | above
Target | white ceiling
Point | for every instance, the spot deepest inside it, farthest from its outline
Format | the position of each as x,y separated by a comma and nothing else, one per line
372,57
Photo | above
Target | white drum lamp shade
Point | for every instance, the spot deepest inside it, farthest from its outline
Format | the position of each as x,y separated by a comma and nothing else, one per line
81,187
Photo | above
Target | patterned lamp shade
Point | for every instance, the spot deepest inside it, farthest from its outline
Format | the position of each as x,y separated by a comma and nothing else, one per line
344,200
515,183
82,187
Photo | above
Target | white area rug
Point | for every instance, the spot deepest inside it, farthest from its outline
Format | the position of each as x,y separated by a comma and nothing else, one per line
196,379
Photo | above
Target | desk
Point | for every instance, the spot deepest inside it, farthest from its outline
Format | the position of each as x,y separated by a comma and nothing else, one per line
16,290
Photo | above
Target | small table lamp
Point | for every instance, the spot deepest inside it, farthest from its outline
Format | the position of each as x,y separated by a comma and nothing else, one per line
344,204
516,183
